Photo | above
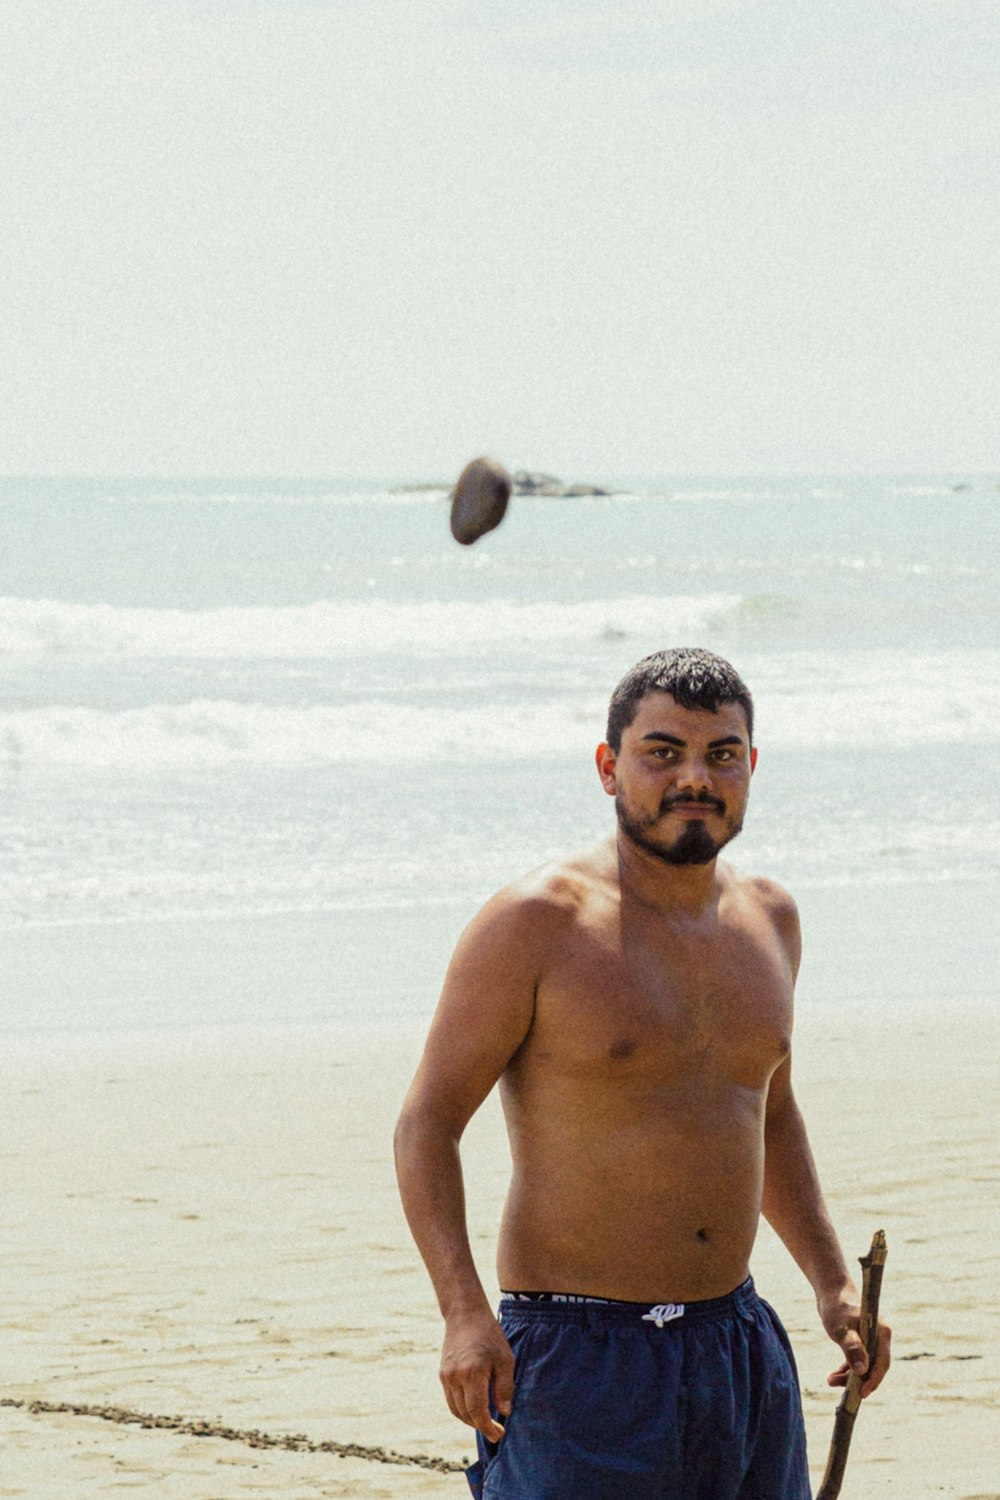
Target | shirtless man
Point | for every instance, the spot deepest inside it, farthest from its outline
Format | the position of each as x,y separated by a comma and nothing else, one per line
635,1004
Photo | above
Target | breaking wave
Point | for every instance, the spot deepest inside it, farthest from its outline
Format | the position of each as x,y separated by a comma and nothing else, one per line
806,701
33,630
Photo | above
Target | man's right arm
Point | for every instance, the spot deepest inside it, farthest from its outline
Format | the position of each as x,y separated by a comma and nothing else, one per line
484,1014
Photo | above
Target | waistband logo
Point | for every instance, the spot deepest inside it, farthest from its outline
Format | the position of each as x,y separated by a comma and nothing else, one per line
664,1312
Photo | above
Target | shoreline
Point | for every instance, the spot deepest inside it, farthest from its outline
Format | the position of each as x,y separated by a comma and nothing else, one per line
892,945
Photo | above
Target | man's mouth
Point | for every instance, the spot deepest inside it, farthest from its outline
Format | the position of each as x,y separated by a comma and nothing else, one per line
693,807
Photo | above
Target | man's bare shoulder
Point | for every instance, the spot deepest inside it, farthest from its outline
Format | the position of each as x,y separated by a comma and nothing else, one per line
518,929
768,894
773,903
557,892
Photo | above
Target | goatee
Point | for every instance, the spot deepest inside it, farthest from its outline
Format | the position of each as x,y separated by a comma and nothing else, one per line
695,846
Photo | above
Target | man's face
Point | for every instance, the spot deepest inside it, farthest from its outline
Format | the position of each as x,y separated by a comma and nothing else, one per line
681,778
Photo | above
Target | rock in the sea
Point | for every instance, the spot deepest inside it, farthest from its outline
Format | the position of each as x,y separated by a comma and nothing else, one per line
479,499
526,483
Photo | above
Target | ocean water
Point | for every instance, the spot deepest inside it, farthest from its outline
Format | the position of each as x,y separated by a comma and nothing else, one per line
240,698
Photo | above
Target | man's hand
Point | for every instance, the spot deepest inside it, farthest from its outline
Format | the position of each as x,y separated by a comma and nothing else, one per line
475,1359
840,1317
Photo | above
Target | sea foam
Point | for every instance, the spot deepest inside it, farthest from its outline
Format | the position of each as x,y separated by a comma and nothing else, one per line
37,629
805,701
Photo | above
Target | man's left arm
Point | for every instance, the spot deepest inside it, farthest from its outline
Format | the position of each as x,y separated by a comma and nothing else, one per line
794,1207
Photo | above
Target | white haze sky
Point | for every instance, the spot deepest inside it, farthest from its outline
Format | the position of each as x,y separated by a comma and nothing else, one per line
374,238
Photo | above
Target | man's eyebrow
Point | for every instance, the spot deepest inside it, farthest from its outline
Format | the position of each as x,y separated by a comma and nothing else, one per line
671,739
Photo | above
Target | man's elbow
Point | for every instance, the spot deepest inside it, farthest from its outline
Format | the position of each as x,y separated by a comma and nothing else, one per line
406,1132
421,1126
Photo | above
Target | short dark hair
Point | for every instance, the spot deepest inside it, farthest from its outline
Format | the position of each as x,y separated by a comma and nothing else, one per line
694,677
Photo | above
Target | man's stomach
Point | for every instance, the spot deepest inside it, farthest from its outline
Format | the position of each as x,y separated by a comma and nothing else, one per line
668,1216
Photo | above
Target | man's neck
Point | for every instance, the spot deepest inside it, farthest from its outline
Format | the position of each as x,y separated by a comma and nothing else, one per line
689,889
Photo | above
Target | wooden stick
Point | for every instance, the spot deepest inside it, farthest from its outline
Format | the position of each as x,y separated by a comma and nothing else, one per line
843,1422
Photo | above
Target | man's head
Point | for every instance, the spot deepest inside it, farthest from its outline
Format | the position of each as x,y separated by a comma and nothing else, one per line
678,756
695,678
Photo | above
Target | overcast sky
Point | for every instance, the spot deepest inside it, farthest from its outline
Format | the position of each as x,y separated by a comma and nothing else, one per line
372,237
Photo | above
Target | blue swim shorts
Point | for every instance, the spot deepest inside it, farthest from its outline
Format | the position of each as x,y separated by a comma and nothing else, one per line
623,1401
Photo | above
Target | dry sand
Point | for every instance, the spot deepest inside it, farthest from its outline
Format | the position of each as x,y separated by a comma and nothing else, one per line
205,1225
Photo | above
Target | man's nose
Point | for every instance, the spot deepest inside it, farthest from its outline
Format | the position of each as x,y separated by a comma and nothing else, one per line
693,773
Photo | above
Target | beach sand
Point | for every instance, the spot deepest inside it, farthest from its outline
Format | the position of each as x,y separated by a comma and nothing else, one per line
203,1224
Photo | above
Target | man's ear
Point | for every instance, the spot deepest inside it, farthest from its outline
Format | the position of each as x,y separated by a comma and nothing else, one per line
753,759
606,762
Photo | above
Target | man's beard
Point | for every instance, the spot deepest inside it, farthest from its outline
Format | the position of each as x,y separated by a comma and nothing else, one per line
695,846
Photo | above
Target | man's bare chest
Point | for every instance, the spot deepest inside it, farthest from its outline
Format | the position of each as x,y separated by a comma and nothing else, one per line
656,1003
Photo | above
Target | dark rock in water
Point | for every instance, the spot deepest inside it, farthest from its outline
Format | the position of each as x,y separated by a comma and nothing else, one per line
547,484
536,484
526,483
479,500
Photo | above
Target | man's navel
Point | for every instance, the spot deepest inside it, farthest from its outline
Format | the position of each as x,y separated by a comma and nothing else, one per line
623,1047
